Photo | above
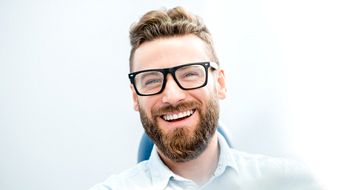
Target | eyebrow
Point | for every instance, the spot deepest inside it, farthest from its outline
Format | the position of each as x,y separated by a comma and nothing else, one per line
150,73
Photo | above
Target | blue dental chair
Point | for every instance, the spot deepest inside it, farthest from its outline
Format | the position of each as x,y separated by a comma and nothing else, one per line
146,144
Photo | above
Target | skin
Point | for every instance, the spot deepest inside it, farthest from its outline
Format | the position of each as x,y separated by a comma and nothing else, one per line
170,52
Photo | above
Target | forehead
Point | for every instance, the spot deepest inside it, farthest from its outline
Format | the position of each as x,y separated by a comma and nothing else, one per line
170,52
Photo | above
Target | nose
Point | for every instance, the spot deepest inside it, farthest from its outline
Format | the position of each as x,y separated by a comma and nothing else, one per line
172,93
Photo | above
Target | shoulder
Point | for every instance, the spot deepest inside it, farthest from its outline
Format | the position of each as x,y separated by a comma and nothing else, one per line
265,163
137,177
274,172
259,160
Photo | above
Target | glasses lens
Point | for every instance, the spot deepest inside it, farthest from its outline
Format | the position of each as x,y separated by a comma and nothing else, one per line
149,82
191,76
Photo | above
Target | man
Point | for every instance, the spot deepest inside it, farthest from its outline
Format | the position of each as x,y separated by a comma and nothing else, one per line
177,82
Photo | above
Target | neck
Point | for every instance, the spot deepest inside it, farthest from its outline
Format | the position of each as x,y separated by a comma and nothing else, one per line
200,169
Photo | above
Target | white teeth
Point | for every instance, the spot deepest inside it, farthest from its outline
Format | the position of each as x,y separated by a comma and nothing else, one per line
178,116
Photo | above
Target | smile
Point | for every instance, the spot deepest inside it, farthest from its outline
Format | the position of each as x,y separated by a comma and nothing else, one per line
181,115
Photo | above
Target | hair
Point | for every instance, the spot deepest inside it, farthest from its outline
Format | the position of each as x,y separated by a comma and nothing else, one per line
164,23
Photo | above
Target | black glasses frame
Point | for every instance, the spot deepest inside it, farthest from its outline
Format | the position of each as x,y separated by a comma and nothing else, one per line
172,71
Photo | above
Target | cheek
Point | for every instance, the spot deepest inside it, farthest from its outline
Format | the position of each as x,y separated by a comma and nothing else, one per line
211,85
213,89
203,94
147,104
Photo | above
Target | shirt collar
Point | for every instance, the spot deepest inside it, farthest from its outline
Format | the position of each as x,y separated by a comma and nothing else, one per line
161,174
226,158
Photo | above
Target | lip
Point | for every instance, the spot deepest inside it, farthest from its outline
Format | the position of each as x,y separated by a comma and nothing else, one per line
170,117
186,122
157,114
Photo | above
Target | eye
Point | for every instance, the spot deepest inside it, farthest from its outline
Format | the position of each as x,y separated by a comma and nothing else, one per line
190,74
149,79
149,82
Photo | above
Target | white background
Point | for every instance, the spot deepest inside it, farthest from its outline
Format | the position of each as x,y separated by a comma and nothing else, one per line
66,118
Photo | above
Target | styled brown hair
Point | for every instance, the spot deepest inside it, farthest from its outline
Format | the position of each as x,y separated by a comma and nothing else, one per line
163,23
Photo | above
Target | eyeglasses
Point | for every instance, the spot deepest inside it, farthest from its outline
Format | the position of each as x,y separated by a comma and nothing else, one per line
188,77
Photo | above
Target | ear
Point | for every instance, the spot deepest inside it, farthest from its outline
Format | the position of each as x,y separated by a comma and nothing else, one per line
134,98
221,84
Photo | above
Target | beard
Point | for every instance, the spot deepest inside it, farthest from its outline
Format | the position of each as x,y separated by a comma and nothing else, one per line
182,144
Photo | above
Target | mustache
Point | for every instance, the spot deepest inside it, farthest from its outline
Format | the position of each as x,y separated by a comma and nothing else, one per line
177,108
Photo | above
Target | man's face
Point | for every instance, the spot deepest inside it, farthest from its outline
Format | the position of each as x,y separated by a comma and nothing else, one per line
197,111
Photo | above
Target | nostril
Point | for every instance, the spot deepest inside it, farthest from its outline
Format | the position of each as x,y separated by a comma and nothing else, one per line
173,97
172,93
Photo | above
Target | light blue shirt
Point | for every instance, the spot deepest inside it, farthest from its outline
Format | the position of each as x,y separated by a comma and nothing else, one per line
236,170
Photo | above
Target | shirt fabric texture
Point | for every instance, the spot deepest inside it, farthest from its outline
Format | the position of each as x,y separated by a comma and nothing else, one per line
236,170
